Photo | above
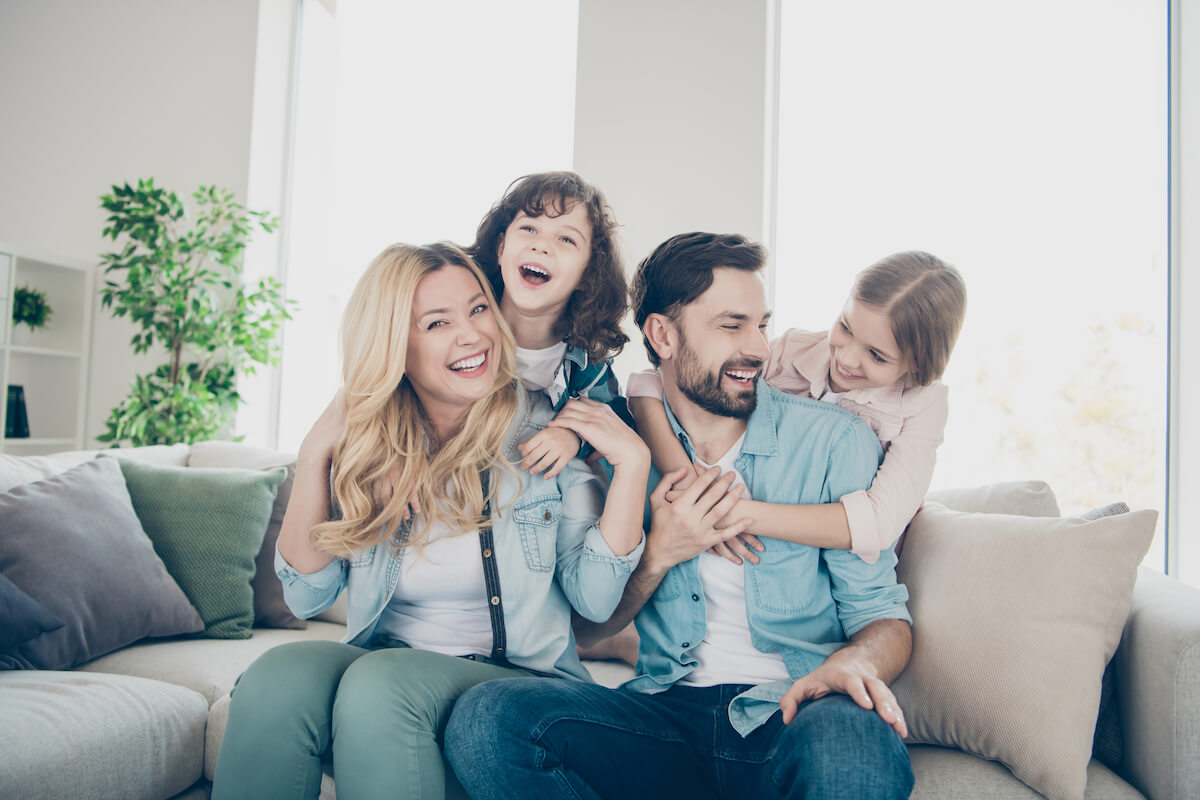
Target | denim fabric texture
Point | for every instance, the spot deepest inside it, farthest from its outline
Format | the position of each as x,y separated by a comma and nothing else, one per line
541,738
802,602
551,556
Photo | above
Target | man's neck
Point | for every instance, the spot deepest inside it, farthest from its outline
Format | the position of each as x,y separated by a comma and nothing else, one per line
532,331
711,434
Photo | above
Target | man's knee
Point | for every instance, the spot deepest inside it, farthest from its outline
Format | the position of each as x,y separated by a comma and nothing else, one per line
833,745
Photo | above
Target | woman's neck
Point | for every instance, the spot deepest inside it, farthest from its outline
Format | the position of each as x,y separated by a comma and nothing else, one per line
532,331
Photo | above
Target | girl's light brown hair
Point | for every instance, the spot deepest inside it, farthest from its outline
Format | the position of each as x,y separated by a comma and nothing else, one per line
387,439
926,300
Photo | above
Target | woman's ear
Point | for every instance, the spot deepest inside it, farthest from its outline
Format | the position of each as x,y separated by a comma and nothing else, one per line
662,334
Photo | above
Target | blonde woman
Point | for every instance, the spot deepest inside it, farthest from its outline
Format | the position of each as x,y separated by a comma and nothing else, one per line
459,567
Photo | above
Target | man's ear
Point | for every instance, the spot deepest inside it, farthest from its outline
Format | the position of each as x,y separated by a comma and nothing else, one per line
662,334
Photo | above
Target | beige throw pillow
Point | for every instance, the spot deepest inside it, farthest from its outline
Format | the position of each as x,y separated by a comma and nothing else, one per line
1014,619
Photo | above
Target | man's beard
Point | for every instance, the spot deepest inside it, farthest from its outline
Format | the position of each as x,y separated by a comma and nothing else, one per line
704,388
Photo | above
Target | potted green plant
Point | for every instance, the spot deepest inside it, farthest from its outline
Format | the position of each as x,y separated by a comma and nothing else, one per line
31,309
178,278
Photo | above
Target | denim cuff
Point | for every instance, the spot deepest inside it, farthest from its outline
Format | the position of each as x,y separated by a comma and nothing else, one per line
596,548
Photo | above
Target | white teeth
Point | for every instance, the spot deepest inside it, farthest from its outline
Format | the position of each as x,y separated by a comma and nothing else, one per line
741,375
537,269
467,363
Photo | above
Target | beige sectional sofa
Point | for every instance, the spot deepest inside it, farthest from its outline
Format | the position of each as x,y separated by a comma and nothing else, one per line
146,721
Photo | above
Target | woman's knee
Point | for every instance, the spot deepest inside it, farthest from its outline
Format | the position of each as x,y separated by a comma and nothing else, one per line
297,671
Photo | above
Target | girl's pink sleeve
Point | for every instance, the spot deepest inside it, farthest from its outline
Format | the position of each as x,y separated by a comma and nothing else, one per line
646,383
878,515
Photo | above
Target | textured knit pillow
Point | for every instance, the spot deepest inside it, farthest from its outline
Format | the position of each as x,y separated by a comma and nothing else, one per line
270,611
208,526
73,543
21,617
1014,619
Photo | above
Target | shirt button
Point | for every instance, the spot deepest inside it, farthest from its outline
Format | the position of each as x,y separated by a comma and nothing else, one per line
687,645
546,516
487,553
496,600
696,597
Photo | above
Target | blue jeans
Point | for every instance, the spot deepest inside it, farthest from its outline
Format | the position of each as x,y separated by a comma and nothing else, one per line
542,738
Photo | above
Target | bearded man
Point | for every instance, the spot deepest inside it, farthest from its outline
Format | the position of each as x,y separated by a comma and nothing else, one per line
753,680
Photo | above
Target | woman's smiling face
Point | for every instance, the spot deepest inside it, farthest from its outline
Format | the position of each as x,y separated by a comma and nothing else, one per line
452,354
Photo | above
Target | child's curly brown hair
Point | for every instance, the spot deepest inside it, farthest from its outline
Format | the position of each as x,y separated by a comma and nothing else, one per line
592,318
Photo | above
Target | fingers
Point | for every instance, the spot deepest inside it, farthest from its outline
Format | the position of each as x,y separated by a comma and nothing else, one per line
722,549
658,497
886,706
558,466
807,688
738,547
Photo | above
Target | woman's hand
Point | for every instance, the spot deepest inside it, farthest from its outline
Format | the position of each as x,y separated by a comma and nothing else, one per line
600,426
323,437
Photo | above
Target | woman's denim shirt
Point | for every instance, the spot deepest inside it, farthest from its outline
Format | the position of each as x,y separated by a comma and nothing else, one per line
550,555
802,602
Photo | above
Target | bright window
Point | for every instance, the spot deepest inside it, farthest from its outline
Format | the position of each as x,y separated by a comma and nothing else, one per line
1027,143
413,118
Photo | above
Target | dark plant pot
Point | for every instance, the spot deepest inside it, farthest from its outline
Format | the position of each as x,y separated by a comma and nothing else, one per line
16,422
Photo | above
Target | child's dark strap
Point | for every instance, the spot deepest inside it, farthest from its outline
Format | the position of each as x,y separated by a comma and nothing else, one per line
491,574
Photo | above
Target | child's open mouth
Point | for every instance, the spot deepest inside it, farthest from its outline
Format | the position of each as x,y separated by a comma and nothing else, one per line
534,274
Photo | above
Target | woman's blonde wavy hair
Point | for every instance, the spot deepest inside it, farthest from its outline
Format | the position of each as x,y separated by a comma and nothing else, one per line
387,438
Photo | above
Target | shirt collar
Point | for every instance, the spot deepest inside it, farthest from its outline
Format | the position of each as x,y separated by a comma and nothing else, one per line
760,439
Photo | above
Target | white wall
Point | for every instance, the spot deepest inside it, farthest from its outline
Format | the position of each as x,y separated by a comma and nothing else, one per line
93,94
682,86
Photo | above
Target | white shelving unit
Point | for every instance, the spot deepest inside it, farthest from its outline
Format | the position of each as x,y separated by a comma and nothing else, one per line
51,363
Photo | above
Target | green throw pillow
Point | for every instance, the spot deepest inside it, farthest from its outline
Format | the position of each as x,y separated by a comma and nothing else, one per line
207,526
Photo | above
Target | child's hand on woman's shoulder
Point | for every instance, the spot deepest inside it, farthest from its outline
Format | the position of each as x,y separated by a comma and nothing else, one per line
550,450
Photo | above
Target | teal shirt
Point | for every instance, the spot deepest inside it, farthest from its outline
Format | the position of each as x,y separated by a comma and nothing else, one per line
802,602
550,554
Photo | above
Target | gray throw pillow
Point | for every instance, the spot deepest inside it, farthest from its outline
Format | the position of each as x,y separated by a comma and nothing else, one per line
73,543
21,617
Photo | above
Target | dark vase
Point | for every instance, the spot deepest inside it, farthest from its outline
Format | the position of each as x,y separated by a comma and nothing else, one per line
16,422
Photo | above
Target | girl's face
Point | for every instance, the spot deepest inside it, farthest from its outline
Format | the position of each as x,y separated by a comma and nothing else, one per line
453,345
863,352
542,259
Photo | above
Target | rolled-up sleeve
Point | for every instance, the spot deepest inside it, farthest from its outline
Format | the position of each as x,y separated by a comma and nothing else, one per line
591,575
863,592
308,595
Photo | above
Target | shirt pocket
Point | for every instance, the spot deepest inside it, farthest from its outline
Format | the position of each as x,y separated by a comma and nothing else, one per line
363,558
537,523
783,578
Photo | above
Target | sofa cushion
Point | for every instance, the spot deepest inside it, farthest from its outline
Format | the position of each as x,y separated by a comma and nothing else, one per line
1024,498
21,617
208,526
75,734
270,611
207,666
1014,619
941,772
16,470
73,543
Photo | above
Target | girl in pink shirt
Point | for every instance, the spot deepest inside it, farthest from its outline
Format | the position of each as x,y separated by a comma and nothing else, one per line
881,360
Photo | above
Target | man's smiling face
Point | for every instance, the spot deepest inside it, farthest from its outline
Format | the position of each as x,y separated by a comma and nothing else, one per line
723,344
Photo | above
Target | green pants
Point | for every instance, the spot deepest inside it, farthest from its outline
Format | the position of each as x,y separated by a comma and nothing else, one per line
379,714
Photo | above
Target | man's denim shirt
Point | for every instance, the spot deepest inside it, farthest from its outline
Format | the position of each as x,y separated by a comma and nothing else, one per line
802,602
550,554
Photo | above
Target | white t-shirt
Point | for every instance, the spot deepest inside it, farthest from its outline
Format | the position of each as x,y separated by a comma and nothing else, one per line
726,654
538,369
440,602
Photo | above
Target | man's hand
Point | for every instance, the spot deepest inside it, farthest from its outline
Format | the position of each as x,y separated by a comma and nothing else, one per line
684,528
851,671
